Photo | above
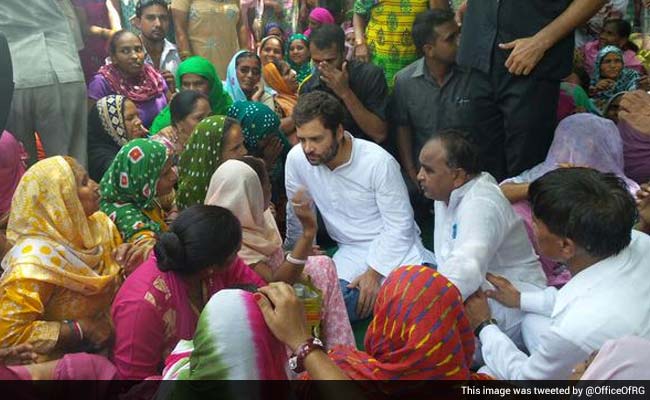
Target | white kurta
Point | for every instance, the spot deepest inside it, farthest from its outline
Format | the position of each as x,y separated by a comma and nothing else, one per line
478,232
365,206
608,300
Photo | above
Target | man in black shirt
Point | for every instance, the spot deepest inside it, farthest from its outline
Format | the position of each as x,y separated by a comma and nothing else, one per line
360,86
519,51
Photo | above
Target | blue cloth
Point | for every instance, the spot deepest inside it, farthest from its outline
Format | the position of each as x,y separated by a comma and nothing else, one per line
351,298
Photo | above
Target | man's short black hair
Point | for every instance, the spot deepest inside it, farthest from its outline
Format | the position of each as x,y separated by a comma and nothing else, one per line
460,150
321,105
425,24
326,36
142,4
594,209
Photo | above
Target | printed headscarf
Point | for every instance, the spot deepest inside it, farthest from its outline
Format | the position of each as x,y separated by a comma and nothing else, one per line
627,80
285,98
302,71
129,186
110,112
198,162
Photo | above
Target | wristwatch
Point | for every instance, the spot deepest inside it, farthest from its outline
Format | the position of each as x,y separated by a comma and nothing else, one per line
479,328
297,359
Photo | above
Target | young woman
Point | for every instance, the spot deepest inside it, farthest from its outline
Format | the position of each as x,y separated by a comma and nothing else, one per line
197,73
187,109
112,122
160,303
282,78
298,56
271,48
128,75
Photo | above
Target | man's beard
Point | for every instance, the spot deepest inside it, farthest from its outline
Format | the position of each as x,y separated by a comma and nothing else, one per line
329,156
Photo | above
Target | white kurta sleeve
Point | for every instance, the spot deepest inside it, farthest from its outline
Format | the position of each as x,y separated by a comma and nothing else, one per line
555,357
393,244
480,227
539,302
292,184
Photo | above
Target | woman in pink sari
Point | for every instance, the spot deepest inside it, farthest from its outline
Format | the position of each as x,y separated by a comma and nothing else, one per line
582,140
243,187
12,168
160,302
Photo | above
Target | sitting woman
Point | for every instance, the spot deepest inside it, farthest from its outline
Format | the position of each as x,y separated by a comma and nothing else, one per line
140,172
112,122
187,108
128,75
65,266
271,48
12,168
419,331
282,78
215,140
616,32
634,126
298,56
197,73
244,188
244,79
611,76
232,342
583,140
160,303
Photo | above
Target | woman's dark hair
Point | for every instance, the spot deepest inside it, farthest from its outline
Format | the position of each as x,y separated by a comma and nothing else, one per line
275,37
280,65
460,150
321,105
202,236
258,165
425,24
623,29
112,45
247,54
592,208
183,104
228,123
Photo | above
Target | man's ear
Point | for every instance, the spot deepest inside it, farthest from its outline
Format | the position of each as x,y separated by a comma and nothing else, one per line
460,177
569,248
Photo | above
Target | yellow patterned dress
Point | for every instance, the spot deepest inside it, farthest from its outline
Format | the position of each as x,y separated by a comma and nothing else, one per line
61,266
388,32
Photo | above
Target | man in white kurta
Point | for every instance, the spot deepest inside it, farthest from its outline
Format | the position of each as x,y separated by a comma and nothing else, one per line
607,297
363,201
476,230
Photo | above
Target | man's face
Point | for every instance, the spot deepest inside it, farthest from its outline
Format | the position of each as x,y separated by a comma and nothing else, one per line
548,244
437,180
446,43
330,55
319,143
154,22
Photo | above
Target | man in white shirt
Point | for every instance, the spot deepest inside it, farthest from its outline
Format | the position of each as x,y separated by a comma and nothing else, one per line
361,195
152,19
476,230
582,218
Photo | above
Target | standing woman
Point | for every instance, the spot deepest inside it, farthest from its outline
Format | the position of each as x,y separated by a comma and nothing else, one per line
211,29
298,56
382,30
128,75
244,79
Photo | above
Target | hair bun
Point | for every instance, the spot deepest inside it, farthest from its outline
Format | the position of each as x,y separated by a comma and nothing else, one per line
170,252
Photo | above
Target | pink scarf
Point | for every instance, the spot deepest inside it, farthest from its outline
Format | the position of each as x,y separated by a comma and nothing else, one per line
12,168
320,14
146,86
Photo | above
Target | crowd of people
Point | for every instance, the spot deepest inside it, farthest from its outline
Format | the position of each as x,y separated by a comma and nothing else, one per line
198,189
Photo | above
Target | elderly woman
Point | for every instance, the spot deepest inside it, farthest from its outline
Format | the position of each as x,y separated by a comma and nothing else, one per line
244,79
160,303
215,140
112,122
611,76
65,267
128,75
197,73
140,172
244,188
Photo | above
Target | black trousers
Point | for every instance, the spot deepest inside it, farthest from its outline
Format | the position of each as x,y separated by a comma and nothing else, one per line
513,118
